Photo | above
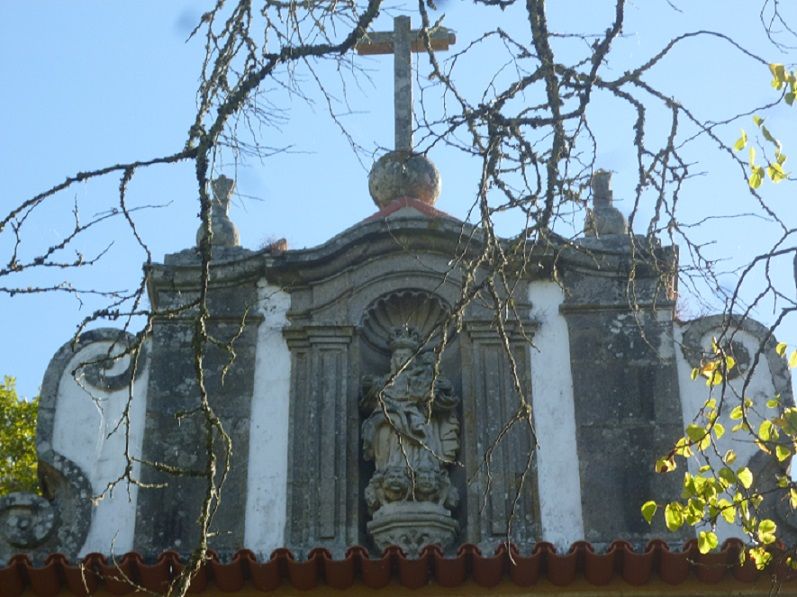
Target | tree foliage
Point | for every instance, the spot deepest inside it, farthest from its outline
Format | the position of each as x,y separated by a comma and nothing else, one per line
723,489
17,440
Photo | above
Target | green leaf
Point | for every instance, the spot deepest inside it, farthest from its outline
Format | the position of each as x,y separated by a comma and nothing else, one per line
789,97
737,413
730,457
760,556
756,177
695,432
766,531
793,359
741,142
714,378
727,476
782,452
695,373
776,173
779,75
745,477
706,541
694,513
765,430
780,349
789,421
665,465
682,448
673,516
689,486
768,136
648,510
758,120
727,510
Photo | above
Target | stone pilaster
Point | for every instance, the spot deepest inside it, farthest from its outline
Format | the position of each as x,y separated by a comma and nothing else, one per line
175,433
625,384
323,479
497,459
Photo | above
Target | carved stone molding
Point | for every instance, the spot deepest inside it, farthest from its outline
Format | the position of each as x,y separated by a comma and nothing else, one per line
416,309
305,336
518,332
26,520
58,522
412,526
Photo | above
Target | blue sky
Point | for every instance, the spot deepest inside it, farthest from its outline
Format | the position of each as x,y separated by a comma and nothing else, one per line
91,83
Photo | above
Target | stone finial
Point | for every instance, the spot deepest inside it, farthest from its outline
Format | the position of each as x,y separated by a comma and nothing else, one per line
601,183
403,173
603,219
225,234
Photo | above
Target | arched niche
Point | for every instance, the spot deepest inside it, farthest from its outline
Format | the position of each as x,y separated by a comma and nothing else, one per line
425,513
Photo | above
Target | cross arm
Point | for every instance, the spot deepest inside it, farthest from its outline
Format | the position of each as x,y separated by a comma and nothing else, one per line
381,42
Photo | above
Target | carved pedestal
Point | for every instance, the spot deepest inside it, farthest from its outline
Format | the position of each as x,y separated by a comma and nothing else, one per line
412,526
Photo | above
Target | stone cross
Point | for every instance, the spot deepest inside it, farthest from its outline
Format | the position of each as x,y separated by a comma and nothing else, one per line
401,42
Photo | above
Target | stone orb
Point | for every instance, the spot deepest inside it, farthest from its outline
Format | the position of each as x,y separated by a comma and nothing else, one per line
404,174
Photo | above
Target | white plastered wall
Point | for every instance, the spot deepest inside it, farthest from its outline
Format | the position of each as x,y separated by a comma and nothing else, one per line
267,482
558,478
694,394
88,430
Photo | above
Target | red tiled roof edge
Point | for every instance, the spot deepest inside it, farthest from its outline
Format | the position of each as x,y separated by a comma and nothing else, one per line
402,202
121,575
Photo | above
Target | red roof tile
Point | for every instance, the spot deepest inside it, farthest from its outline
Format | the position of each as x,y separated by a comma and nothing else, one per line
403,202
122,575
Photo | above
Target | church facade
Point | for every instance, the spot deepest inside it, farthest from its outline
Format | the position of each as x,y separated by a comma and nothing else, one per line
369,404
395,409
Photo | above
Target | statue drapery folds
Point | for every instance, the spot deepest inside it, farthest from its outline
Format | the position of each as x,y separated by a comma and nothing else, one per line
411,433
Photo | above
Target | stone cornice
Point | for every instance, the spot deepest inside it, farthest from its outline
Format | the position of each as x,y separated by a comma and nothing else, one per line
374,238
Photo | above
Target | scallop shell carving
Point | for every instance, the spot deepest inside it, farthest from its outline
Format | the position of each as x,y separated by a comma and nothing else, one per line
413,308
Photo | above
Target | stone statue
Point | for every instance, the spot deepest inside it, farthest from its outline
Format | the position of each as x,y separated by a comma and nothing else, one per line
411,434
225,234
604,219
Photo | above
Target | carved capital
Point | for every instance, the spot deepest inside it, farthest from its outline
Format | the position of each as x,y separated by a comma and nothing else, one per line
486,330
303,337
